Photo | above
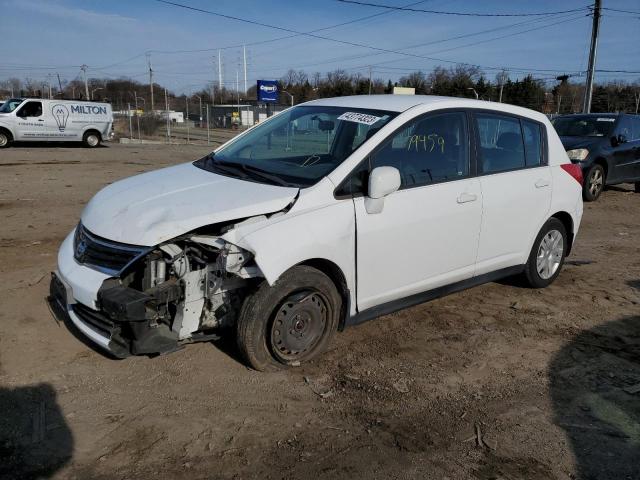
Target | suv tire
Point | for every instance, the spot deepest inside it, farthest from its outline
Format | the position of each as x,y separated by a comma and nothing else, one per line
290,322
593,183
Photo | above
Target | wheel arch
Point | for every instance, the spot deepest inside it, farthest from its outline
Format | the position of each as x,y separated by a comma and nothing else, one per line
567,221
92,129
604,164
337,276
9,132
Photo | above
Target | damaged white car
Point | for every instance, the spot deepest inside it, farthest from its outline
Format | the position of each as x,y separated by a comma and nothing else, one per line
325,215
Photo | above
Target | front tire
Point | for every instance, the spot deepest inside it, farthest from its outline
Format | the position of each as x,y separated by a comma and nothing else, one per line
91,139
593,183
290,322
5,139
547,255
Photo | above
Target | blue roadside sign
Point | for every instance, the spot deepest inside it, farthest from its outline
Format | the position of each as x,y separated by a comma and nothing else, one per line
267,91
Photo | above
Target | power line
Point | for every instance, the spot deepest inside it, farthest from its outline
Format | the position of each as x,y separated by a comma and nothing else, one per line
461,14
432,42
321,37
621,11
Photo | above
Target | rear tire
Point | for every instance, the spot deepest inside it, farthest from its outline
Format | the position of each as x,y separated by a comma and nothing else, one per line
5,139
290,322
593,183
91,139
547,254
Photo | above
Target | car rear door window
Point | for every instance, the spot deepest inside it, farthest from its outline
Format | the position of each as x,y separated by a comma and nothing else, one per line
501,145
532,133
430,149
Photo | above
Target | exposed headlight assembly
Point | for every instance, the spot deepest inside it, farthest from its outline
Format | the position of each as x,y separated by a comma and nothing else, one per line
578,154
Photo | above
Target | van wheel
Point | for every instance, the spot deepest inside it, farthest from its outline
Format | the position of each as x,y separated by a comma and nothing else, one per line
91,139
593,183
5,139
290,322
547,255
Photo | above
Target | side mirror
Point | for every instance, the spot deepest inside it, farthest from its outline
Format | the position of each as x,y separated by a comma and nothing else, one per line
383,181
618,140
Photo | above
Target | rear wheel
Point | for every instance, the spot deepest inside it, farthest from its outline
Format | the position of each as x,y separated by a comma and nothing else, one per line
593,183
91,139
5,139
290,322
547,255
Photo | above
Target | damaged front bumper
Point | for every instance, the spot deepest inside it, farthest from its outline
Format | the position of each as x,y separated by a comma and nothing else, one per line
142,301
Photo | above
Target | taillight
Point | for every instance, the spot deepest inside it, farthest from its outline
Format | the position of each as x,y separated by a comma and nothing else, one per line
574,170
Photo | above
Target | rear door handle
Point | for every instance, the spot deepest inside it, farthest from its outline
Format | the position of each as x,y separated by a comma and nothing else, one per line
542,183
467,197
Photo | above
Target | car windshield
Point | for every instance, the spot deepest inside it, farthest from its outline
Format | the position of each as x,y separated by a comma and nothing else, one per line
584,126
298,146
10,105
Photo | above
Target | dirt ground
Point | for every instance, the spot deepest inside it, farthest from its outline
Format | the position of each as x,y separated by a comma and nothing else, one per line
497,382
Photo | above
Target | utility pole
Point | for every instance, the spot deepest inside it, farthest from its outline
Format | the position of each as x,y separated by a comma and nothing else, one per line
187,102
219,71
369,79
60,85
49,85
586,108
86,83
244,56
135,98
150,81
166,103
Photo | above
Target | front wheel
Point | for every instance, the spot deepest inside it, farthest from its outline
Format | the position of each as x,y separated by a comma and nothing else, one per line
291,321
91,139
593,183
5,139
547,255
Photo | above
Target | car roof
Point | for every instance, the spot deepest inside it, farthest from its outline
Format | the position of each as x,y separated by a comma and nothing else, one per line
401,103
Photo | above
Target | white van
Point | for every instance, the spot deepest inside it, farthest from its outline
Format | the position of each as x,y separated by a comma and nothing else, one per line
328,214
39,120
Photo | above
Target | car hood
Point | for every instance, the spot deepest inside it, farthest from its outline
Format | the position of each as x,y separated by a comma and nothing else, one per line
570,143
154,207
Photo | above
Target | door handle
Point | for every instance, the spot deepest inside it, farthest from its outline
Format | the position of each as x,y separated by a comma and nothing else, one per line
41,120
542,183
467,197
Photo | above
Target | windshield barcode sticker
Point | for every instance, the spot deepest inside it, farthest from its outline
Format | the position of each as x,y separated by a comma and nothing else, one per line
605,119
359,118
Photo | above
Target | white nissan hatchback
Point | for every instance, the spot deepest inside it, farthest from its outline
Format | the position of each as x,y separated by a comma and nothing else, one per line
330,213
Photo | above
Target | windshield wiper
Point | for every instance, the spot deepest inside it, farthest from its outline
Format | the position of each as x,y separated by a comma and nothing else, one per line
228,167
265,175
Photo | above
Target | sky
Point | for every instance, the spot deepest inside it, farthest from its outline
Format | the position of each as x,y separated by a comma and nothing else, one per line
112,39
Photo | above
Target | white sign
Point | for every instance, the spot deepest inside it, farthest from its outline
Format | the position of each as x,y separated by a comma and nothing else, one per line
363,118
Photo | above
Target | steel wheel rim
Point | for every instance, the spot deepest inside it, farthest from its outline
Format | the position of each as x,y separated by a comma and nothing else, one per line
3,140
550,254
595,181
92,140
299,325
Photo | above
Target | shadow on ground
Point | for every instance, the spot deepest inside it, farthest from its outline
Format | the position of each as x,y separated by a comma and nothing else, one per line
35,440
595,385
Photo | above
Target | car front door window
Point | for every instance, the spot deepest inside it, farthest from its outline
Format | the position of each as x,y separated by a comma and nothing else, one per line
428,150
